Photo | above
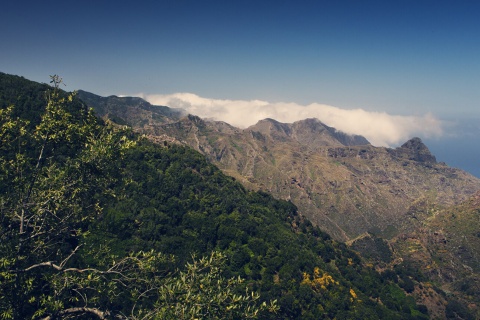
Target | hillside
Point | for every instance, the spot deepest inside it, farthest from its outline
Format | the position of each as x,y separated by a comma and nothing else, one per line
376,188
447,248
87,229
180,204
356,192
175,202
329,175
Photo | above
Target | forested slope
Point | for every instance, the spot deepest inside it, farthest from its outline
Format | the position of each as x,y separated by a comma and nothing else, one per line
91,216
178,203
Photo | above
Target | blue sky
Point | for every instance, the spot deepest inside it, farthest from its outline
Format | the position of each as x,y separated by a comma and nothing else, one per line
407,58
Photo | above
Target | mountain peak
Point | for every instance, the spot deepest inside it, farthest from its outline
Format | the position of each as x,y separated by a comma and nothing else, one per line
133,111
324,135
269,127
315,132
415,144
416,150
311,132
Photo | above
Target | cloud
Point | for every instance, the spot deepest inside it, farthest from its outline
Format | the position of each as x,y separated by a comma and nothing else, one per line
380,128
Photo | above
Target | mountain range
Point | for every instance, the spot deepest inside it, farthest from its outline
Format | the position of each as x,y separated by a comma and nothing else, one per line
389,204
413,221
340,182
97,220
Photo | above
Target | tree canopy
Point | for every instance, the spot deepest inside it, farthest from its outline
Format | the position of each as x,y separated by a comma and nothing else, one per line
55,176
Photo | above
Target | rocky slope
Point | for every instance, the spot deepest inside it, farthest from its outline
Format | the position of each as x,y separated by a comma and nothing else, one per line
340,182
447,248
346,186
391,205
133,111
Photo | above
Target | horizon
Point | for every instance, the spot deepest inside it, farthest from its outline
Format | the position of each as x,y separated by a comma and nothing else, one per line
411,68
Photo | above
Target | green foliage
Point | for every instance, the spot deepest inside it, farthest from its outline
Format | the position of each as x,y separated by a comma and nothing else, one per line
373,248
56,176
51,173
85,212
176,202
202,292
456,310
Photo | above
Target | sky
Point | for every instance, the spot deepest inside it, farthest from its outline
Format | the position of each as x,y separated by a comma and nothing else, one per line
388,70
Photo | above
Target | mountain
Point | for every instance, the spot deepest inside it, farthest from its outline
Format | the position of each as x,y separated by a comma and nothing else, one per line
413,220
136,112
88,227
447,248
390,205
310,132
328,174
340,182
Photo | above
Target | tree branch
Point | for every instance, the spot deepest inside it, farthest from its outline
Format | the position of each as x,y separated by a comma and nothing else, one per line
62,264
61,268
100,314
30,188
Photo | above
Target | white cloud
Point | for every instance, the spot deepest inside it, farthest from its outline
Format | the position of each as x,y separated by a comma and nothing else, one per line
380,128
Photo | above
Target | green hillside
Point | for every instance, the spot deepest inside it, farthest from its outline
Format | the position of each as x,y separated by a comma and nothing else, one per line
97,223
178,203
389,205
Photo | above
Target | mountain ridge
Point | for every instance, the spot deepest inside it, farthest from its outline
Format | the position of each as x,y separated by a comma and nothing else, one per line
327,175
310,131
133,208
133,111
395,204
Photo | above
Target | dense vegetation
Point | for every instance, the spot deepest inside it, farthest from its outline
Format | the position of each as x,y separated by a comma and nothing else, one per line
178,203
97,222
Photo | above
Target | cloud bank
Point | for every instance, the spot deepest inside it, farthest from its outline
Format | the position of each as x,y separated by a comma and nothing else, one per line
380,128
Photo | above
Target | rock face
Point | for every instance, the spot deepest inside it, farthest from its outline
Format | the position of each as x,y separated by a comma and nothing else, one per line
414,149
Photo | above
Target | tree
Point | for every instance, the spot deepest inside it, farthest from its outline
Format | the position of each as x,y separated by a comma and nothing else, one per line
54,175
50,176
202,292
